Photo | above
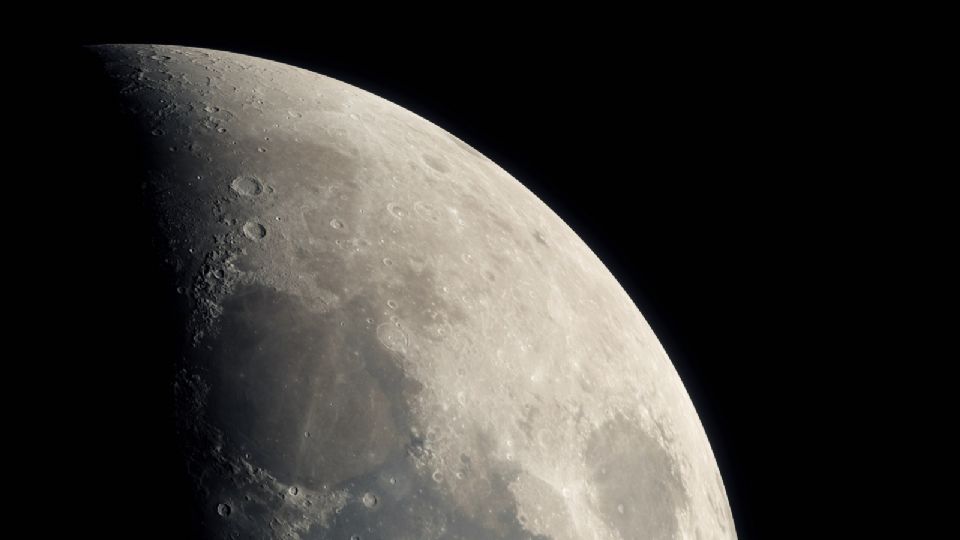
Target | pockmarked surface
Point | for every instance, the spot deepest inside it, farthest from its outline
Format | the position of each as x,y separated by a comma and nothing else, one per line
385,335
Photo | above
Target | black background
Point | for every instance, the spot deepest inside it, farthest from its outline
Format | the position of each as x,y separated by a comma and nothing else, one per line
709,166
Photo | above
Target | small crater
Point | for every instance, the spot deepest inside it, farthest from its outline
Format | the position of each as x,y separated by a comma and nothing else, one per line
538,236
396,210
426,211
248,186
224,509
370,500
293,490
392,304
336,223
387,261
392,337
436,163
254,230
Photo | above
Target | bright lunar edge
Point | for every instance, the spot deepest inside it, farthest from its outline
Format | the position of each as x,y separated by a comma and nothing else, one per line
319,316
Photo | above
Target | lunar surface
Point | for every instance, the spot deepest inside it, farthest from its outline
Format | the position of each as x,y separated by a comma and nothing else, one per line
379,333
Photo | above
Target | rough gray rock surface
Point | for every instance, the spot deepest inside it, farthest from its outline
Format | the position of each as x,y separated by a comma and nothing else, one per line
385,335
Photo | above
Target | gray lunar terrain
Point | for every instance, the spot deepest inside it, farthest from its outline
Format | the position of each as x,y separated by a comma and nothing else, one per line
381,334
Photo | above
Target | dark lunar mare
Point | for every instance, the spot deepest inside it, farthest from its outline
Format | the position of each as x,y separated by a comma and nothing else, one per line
270,360
116,321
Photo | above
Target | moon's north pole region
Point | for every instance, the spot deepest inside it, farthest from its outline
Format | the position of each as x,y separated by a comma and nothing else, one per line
386,336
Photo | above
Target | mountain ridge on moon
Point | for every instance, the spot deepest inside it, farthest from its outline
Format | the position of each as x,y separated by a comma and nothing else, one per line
382,334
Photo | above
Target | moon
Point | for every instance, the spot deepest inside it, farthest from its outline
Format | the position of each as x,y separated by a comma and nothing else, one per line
381,334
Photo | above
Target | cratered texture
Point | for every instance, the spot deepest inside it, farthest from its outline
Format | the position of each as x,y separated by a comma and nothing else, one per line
386,336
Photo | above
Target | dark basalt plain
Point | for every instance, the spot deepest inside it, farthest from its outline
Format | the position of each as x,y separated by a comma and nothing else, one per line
335,320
